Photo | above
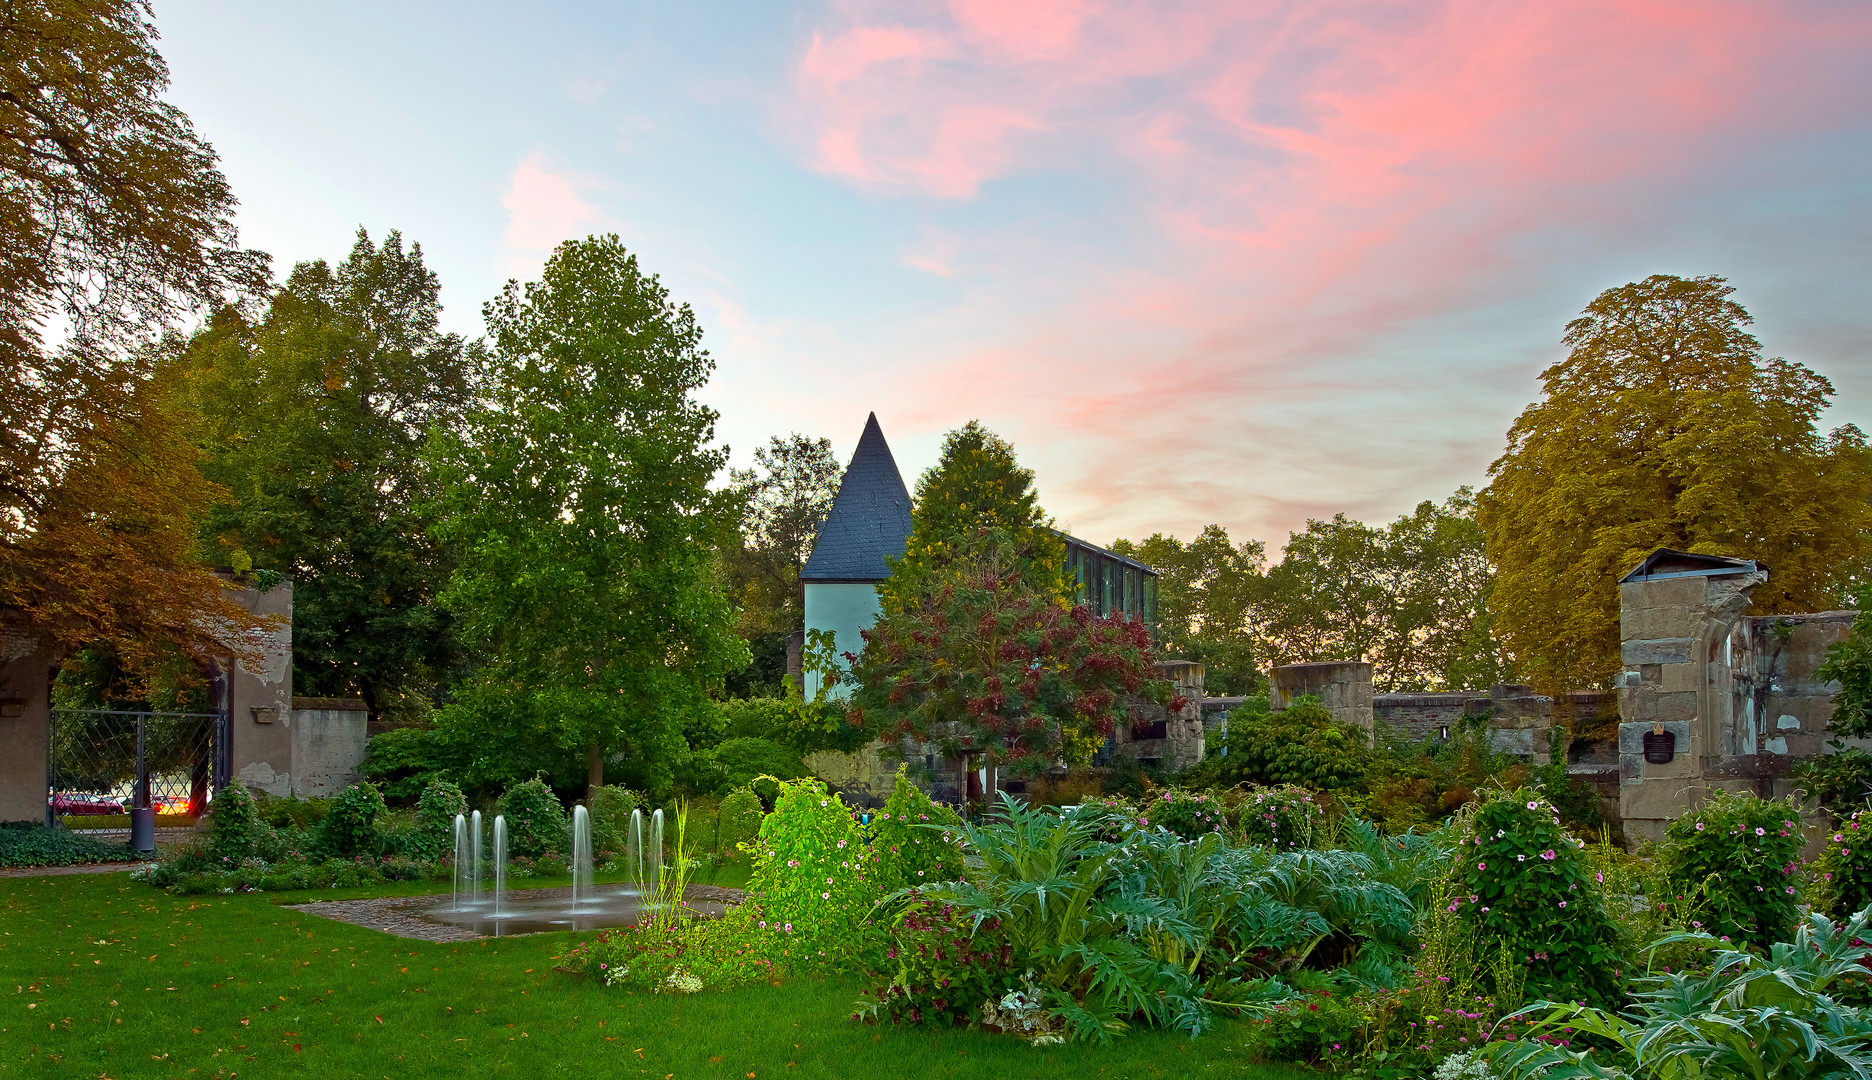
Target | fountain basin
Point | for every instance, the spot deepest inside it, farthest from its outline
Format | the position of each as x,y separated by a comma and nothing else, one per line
540,911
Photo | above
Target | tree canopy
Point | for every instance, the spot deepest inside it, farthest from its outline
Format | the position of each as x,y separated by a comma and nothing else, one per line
787,494
1665,426
1206,592
983,663
975,484
576,492
315,418
114,221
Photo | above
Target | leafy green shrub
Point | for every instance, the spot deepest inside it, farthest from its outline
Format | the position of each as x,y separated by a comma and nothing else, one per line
611,807
752,718
908,851
350,828
29,843
1529,890
742,760
1301,745
940,968
1740,854
1188,814
403,760
233,825
1311,1027
1845,867
1283,817
1735,1014
813,872
536,823
433,834
290,811
740,818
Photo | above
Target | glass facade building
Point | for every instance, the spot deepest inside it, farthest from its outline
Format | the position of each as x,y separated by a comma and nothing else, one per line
1111,584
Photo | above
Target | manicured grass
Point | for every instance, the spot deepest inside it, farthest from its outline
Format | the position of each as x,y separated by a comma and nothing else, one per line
105,976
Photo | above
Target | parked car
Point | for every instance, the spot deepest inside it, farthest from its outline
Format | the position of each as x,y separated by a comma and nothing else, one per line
81,802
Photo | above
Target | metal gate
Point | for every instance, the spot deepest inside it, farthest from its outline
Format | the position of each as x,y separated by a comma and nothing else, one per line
102,762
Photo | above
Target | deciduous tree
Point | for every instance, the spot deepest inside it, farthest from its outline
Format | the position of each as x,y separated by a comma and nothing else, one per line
983,663
1665,426
976,484
315,418
1206,592
113,222
577,493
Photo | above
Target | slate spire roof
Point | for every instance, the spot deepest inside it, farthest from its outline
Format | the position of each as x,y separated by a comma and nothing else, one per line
870,518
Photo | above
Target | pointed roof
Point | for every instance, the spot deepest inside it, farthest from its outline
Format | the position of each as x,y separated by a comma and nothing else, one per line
870,518
1668,563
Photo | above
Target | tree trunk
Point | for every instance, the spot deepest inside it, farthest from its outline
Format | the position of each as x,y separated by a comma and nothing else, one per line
594,769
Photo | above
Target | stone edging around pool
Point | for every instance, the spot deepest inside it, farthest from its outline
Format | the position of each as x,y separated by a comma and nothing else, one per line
401,915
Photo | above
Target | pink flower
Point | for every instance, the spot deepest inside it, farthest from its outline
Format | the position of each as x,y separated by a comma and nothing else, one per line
1699,826
1481,866
1548,855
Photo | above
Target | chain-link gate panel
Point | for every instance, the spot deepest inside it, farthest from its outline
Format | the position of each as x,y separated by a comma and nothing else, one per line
105,761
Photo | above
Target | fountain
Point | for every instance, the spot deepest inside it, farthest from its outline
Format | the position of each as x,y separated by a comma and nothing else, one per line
581,867
652,895
462,862
500,865
474,886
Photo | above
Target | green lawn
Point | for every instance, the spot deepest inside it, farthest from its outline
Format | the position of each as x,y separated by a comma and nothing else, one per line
106,977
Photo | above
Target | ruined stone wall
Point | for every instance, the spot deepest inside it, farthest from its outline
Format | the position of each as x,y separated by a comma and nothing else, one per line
1343,686
1518,718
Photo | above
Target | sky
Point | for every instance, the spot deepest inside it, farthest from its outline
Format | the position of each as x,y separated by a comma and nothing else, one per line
1234,263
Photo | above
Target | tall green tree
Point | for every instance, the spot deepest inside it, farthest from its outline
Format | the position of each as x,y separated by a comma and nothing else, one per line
114,222
1410,598
1206,593
577,494
787,494
975,484
315,418
1665,426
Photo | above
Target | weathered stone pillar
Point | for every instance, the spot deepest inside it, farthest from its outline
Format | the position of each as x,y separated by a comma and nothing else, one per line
1678,614
25,725
1343,686
259,700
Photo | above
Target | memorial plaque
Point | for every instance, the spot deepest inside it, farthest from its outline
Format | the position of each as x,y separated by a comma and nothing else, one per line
1659,747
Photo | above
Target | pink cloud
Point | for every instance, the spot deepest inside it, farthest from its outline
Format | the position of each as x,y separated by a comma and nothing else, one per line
545,207
1313,176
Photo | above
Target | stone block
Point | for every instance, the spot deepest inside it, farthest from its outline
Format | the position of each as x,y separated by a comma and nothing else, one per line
1681,678
1513,741
1656,651
1663,800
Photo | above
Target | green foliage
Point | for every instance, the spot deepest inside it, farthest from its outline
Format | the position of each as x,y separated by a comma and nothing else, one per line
736,762
1849,663
1740,854
1844,868
233,825
983,664
1308,1027
1666,427
908,850
611,807
290,811
1410,597
536,822
1188,814
814,875
1840,779
1734,1016
314,417
495,734
433,834
1530,892
577,490
402,761
1301,745
1280,817
1206,594
784,498
975,485
739,818
28,843
941,967
349,828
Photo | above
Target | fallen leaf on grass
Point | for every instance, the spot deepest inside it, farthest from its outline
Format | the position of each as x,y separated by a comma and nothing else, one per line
380,1019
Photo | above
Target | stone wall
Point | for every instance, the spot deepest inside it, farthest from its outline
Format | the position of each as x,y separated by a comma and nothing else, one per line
1518,718
1171,740
25,726
329,737
1343,686
258,699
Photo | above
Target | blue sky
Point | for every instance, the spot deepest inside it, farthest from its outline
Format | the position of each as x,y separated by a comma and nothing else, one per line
1236,263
